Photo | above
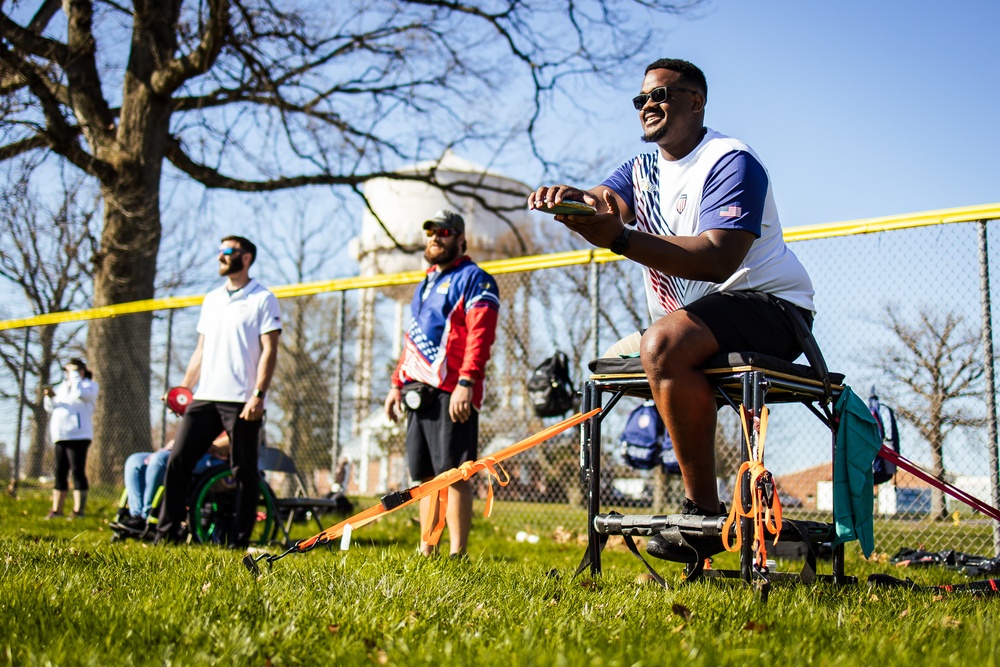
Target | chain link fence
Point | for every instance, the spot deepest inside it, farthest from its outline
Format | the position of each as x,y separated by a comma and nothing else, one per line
899,313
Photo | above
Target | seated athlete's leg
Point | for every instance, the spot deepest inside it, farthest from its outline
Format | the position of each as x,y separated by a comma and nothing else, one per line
673,351
135,480
627,346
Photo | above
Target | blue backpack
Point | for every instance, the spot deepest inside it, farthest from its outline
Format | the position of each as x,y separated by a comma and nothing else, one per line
885,417
644,443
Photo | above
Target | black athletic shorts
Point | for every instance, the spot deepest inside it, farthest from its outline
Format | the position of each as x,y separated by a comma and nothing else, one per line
750,322
434,443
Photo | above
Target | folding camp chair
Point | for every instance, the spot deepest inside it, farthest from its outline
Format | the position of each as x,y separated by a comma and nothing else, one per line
741,380
271,460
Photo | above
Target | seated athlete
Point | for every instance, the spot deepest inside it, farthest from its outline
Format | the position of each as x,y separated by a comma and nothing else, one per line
144,472
699,215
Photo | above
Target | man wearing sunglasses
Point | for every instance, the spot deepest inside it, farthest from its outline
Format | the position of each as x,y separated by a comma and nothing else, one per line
699,215
232,367
439,376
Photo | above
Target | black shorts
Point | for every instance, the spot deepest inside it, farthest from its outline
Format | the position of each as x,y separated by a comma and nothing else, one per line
750,322
434,443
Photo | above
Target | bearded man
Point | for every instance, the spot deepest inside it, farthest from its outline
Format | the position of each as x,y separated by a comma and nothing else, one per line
439,377
231,367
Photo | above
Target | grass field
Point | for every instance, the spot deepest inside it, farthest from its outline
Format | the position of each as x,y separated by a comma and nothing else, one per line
68,596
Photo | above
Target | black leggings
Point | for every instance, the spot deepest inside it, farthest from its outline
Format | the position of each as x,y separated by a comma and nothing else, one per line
71,454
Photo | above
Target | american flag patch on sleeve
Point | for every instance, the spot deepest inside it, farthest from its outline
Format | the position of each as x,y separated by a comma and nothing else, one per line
731,212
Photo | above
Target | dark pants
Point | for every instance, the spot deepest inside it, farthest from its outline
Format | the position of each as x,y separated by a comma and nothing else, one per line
71,455
203,422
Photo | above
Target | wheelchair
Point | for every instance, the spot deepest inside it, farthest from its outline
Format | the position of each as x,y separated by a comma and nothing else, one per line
212,504
211,507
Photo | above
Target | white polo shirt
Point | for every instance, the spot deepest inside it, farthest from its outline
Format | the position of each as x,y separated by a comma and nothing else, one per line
232,327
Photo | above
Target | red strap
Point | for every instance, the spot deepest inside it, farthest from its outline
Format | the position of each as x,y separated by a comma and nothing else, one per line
893,456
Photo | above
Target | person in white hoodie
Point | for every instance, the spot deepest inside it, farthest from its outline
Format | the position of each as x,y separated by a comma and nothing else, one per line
71,410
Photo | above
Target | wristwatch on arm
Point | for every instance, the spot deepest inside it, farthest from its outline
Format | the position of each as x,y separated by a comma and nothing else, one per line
259,393
620,244
464,382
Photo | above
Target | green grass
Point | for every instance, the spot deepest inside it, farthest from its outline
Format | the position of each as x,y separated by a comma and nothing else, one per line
68,596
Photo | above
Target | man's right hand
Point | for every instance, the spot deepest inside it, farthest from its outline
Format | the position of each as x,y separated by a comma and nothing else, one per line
394,404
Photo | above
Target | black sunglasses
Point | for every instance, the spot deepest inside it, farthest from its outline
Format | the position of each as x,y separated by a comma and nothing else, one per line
658,95
441,232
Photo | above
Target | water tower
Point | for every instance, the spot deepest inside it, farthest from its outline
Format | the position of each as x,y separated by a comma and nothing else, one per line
402,206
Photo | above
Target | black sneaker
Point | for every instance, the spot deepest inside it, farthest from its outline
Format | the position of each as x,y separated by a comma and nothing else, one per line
136,524
673,545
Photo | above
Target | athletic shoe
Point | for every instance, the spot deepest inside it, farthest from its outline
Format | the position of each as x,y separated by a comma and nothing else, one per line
75,515
135,524
52,515
673,545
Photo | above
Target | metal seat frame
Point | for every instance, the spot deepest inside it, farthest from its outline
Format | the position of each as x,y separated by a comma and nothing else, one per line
752,381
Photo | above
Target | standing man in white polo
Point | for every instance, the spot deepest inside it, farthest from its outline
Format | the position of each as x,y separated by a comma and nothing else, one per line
232,368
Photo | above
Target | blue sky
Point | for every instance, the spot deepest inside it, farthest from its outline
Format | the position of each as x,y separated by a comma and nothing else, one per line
857,108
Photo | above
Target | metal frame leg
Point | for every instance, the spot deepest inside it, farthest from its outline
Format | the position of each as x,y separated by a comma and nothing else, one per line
591,451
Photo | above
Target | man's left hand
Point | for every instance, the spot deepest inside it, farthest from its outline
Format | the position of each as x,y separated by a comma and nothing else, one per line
253,410
601,229
460,407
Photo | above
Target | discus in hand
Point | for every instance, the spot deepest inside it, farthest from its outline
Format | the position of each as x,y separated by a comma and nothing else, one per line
178,399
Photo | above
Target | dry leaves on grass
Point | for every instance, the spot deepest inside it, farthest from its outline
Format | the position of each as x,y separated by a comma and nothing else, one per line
681,610
561,536
753,626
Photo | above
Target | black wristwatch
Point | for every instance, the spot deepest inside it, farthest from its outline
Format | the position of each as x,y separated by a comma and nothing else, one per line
258,393
462,382
620,244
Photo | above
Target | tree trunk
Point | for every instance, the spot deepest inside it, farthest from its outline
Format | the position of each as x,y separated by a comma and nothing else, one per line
119,347
939,509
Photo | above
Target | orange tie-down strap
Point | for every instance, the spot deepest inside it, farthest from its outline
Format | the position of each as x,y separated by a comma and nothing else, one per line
765,506
440,484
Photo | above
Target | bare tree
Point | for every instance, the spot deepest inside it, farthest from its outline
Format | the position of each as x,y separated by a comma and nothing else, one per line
250,96
935,370
304,376
45,251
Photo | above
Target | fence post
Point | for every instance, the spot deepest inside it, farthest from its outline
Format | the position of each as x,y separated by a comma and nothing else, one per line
166,378
16,472
338,380
595,305
991,408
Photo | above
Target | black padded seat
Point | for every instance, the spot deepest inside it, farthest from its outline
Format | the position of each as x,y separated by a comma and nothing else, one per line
790,382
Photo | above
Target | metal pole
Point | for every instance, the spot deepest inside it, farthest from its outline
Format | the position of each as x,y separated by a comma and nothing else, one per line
595,301
16,473
338,379
991,406
166,378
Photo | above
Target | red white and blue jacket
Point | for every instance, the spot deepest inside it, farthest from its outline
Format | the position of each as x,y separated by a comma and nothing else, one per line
453,322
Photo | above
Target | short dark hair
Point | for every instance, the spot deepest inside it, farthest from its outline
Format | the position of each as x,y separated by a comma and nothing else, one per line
690,74
245,244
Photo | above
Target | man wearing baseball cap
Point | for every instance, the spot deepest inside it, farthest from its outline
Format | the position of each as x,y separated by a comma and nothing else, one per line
439,377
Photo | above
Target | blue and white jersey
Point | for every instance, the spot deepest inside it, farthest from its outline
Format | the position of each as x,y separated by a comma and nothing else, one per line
721,184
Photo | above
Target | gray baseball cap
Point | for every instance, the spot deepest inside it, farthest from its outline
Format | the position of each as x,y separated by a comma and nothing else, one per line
446,220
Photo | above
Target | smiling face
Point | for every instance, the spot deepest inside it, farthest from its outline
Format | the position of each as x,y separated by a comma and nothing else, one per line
675,125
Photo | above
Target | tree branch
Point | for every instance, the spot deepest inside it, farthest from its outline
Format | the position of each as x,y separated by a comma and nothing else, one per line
171,76
86,97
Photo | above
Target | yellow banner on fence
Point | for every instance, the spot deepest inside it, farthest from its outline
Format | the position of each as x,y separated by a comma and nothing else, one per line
518,264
